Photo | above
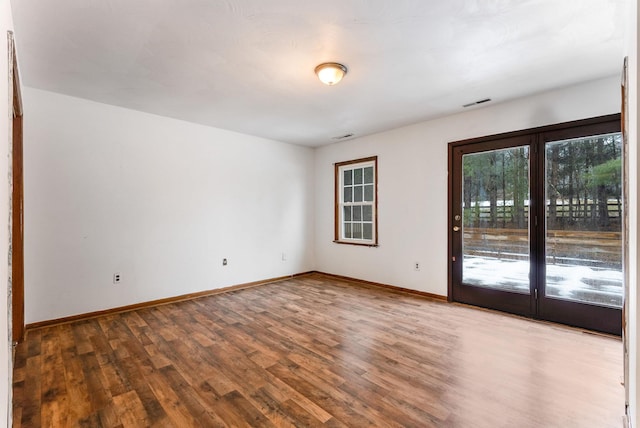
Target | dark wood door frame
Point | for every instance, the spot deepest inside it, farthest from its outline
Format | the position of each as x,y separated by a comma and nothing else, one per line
17,200
582,315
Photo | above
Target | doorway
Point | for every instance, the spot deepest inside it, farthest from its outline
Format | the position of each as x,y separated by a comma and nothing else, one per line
536,223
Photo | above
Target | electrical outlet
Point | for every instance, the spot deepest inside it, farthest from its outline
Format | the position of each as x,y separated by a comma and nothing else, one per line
416,266
224,262
284,257
117,278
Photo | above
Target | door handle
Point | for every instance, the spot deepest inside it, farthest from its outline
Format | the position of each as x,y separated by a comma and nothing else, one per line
456,228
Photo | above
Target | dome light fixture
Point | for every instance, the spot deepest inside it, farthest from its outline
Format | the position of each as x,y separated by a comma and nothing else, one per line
330,73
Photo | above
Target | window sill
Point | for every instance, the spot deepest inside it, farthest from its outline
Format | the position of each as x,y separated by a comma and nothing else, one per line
359,244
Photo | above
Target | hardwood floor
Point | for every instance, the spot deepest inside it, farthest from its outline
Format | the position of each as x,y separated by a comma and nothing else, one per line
316,351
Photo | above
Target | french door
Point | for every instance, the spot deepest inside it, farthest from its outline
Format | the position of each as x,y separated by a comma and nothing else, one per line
535,223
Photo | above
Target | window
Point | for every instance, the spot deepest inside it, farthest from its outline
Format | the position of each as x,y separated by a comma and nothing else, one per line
357,202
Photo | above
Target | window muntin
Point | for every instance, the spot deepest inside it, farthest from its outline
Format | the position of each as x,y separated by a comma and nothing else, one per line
356,202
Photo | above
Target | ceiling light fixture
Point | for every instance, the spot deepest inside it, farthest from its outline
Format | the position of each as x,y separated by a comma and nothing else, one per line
330,73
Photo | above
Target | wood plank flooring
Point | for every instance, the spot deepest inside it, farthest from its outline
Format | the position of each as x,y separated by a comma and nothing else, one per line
316,351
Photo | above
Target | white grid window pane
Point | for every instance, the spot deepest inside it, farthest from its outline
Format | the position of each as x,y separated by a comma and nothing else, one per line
368,175
367,231
367,213
357,213
348,194
347,213
357,194
368,193
348,176
357,176
356,229
357,199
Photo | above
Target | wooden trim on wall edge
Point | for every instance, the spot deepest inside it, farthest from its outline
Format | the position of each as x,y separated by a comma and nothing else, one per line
191,296
158,302
387,286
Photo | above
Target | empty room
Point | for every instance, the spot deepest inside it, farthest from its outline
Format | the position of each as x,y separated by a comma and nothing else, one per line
241,213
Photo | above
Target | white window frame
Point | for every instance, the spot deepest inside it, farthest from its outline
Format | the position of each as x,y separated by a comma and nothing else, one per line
340,203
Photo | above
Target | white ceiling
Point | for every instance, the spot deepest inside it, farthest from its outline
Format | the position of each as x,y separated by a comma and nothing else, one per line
247,65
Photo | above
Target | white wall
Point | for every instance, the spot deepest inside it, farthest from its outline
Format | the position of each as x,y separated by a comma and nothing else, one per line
412,163
6,363
158,200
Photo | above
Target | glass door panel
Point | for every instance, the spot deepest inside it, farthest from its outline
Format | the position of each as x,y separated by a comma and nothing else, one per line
536,223
583,249
495,219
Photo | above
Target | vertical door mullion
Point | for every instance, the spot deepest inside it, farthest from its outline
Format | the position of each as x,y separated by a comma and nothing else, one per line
455,238
537,225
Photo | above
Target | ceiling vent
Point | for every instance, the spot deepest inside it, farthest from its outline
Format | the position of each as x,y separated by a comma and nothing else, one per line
486,100
342,137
